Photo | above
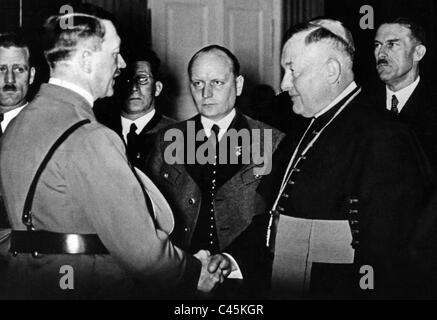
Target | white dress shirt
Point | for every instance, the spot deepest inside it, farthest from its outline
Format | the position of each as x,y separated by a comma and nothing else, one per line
8,116
222,123
141,122
402,95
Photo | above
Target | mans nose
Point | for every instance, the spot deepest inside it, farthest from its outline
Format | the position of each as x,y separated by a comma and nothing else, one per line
287,82
207,91
134,86
381,52
121,62
9,77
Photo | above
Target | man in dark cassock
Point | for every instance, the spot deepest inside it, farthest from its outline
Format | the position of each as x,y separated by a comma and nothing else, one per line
346,197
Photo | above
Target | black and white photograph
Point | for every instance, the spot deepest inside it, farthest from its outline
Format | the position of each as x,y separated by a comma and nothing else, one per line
221,156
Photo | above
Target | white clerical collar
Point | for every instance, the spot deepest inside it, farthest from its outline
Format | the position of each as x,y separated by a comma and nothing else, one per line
141,122
345,92
223,123
8,116
402,95
73,87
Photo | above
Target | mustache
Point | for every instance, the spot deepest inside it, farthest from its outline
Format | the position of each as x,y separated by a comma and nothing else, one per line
381,61
9,87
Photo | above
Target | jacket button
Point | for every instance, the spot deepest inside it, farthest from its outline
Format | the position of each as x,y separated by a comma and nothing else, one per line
186,229
166,175
192,201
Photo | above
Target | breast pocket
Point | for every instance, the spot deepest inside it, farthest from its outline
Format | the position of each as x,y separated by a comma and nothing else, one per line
170,175
250,176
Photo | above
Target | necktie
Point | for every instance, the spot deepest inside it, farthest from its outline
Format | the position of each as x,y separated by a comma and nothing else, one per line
132,143
1,120
214,135
216,129
394,105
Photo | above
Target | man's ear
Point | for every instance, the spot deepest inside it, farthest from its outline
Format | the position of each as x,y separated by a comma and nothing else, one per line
419,52
31,75
158,88
85,60
333,67
240,83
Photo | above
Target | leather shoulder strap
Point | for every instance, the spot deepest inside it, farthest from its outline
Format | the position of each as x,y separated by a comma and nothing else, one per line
27,210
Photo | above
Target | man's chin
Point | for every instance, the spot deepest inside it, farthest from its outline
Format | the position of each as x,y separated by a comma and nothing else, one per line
385,76
384,70
9,102
298,109
109,93
137,108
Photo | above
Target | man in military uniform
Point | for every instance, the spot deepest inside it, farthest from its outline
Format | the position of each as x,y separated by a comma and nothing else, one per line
88,211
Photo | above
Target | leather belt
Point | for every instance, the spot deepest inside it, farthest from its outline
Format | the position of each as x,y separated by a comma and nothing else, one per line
46,242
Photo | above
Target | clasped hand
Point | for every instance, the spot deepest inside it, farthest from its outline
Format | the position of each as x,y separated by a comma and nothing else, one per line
214,270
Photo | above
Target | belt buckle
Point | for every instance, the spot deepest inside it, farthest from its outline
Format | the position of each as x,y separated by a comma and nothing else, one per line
74,244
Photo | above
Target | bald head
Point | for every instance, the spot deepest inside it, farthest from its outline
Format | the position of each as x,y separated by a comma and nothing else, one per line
220,51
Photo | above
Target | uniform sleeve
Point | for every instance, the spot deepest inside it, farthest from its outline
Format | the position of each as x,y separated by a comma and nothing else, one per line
113,201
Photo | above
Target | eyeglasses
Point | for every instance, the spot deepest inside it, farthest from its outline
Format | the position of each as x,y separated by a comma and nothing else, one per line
142,80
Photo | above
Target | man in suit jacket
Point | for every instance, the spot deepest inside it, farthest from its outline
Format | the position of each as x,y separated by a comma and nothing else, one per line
16,76
344,203
400,46
215,201
138,120
95,227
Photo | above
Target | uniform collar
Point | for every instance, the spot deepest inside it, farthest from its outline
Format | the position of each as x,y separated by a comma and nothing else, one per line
73,87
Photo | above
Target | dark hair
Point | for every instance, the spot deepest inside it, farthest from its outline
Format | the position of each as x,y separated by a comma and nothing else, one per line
61,40
15,39
320,33
234,61
417,32
147,55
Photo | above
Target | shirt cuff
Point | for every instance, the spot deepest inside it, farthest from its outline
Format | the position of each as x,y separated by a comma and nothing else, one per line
236,272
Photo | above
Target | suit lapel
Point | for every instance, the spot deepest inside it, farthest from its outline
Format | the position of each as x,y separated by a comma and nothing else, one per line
194,170
414,104
229,169
151,124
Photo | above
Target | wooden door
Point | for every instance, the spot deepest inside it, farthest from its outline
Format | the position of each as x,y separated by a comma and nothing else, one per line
249,28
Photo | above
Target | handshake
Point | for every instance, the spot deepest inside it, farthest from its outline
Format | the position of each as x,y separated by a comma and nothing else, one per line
214,270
